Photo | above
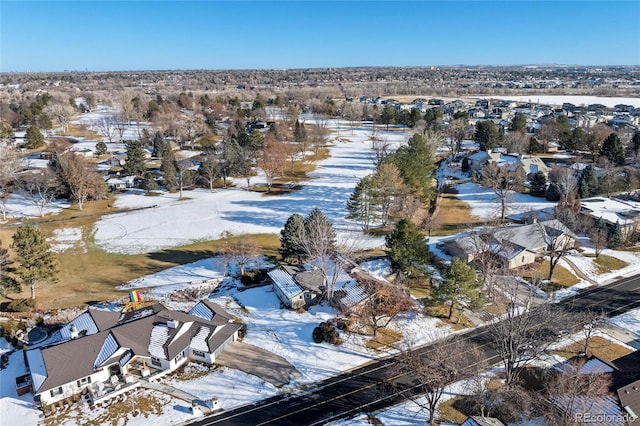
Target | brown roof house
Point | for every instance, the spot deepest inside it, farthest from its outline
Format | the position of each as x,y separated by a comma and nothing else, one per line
108,353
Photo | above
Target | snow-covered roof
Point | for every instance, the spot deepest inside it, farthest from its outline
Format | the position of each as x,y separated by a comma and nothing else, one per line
348,290
84,322
159,337
285,282
199,341
37,367
612,210
109,347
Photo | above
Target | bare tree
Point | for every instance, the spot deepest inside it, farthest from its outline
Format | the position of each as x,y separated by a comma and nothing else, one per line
429,372
517,142
565,181
239,250
210,168
379,146
523,334
62,113
559,240
574,390
455,133
83,182
384,302
106,127
599,238
10,163
503,181
40,188
273,159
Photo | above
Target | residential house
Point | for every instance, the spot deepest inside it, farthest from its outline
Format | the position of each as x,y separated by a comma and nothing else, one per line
529,164
297,287
610,211
515,246
106,353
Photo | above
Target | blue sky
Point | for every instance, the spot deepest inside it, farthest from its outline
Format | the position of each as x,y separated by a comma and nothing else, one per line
136,35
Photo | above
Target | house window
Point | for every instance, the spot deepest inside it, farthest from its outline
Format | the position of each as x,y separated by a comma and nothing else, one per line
56,391
156,362
84,381
179,356
199,354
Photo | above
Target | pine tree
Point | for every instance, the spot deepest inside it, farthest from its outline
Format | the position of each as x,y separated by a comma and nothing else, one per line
169,169
362,203
416,164
291,244
538,184
612,149
36,262
299,132
616,239
407,249
8,282
588,186
33,138
635,143
160,145
149,183
134,166
459,283
319,233
101,148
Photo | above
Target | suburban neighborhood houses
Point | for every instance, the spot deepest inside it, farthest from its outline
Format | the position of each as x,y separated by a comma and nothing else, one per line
183,245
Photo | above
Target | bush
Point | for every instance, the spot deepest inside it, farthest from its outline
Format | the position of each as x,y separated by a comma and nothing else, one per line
21,305
11,327
326,332
251,277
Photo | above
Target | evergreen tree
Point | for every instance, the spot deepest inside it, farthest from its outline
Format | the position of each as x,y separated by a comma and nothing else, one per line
538,184
362,203
101,148
160,145
635,143
612,149
588,185
407,249
459,283
299,132
169,169
291,244
552,193
319,233
416,164
134,166
33,138
535,146
8,282
36,262
616,239
519,123
149,183
486,135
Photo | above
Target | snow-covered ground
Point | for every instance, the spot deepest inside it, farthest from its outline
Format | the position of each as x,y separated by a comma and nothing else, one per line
205,215
20,206
66,238
486,205
577,100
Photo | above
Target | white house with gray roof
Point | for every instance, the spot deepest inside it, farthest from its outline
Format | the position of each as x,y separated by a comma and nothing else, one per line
108,352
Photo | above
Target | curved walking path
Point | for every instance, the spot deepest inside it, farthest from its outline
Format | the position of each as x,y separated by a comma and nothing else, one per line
578,272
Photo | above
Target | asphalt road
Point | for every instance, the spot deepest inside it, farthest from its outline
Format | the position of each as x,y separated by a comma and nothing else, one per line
368,388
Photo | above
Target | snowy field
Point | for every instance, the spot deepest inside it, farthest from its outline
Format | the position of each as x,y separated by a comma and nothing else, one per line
205,215
577,100
20,206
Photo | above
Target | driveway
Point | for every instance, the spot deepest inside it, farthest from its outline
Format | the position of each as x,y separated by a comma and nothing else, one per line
259,362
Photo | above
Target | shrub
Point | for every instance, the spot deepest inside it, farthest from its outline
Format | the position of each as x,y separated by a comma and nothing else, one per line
21,305
326,332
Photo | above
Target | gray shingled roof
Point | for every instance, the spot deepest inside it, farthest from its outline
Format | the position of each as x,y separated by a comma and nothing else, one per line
630,398
57,365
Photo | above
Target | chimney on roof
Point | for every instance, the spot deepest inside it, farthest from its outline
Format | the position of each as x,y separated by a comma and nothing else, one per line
171,323
74,331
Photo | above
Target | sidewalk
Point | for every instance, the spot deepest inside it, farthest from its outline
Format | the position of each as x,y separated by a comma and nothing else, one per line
177,393
578,272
